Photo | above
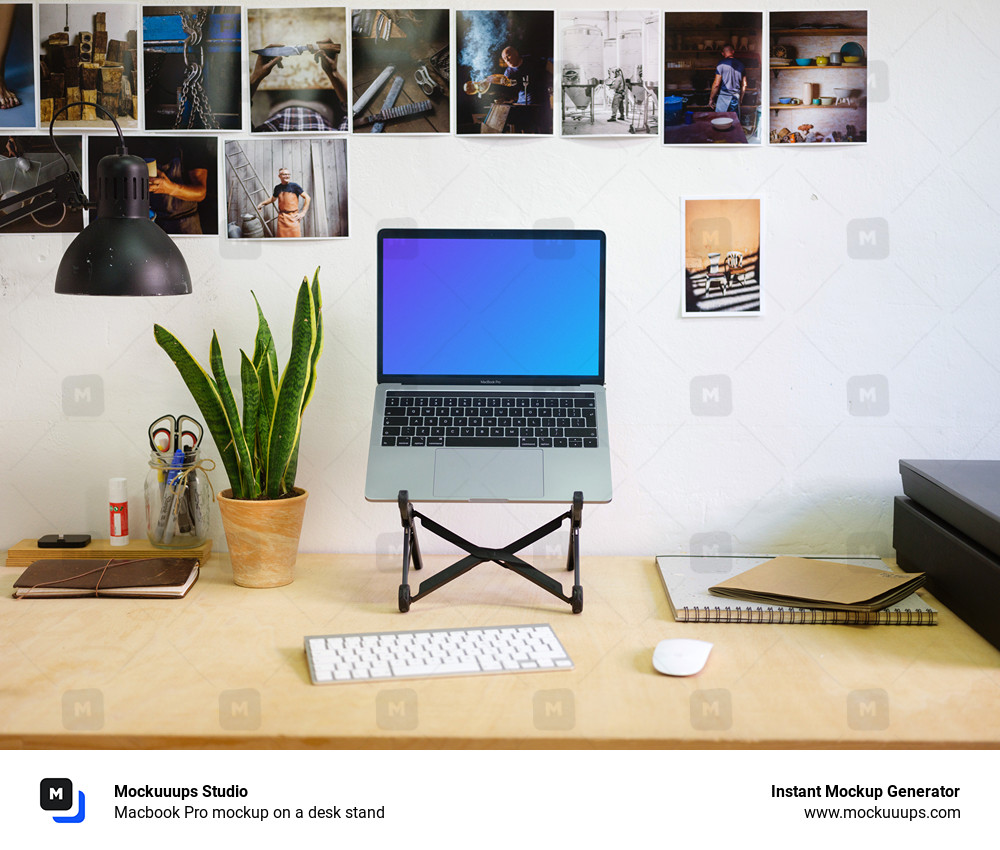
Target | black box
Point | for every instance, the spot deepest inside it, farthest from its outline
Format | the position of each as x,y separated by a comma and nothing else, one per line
964,575
963,493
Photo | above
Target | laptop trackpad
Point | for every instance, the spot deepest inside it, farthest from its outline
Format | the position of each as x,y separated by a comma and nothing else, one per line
500,474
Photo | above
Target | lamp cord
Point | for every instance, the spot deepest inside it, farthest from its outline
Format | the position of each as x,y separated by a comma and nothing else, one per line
52,137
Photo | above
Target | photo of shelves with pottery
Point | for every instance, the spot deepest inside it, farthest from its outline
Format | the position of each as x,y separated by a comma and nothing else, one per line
819,77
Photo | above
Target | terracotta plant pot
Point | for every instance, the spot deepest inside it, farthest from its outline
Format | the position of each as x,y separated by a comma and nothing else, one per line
263,537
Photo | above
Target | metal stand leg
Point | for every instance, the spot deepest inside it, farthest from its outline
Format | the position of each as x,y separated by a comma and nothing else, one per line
506,556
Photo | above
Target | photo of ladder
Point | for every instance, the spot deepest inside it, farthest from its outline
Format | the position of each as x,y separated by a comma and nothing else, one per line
246,175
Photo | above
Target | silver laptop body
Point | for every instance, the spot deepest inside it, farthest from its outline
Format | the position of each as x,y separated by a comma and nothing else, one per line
490,367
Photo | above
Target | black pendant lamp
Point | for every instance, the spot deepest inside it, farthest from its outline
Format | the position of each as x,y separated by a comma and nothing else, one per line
121,252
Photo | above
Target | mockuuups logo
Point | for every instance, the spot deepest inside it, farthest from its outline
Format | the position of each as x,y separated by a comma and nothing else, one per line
56,795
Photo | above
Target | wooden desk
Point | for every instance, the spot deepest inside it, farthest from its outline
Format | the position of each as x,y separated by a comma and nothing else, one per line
225,667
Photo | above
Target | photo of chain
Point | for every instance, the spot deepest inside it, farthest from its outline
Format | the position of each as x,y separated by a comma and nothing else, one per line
191,97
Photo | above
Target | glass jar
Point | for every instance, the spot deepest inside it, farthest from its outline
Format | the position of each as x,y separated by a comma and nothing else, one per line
178,498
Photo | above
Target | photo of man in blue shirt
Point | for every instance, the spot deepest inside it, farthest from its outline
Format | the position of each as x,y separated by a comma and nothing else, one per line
729,84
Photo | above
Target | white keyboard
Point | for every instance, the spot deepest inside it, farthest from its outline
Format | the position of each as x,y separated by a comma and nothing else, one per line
434,652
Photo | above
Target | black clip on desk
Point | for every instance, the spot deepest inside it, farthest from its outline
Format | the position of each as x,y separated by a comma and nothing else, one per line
505,557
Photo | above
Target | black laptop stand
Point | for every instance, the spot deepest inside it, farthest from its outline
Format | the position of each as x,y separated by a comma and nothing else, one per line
505,557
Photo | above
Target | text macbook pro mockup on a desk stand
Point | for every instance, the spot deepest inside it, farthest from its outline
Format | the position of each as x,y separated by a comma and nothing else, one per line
491,376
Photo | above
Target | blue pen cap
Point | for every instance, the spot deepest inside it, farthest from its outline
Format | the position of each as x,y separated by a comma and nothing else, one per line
175,465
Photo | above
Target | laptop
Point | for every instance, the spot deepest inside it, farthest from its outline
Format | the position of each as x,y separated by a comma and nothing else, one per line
490,367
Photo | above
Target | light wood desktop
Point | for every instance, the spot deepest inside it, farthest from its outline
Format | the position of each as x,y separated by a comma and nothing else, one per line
225,667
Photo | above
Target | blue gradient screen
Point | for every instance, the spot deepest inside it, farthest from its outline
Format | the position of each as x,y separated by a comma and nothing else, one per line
492,305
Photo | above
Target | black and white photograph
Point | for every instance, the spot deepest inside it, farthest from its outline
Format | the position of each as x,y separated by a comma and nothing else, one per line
609,72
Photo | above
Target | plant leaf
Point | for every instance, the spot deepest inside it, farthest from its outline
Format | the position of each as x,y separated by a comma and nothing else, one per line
251,407
290,471
265,361
205,394
250,483
317,301
287,419
263,347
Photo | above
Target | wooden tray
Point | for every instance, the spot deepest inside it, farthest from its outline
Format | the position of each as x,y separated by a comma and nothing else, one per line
27,552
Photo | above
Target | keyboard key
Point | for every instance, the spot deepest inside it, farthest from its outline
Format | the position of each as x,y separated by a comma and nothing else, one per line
481,442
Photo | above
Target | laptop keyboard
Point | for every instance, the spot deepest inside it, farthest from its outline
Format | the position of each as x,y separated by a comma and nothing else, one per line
491,420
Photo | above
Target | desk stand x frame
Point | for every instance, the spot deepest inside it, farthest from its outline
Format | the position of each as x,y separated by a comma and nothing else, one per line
506,557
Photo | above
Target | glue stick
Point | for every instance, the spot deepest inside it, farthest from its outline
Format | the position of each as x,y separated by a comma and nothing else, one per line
118,511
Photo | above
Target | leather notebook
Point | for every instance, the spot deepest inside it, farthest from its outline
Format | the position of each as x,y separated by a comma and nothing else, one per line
808,583
61,577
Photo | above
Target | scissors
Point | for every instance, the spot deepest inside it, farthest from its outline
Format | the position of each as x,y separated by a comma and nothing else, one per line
427,85
170,434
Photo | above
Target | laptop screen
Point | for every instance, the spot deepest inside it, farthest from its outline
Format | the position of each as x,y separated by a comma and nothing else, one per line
491,306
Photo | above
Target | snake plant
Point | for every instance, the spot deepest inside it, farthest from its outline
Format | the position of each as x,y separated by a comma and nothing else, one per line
260,449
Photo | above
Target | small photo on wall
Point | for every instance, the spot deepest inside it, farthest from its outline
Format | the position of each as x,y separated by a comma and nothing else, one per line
17,66
88,57
26,162
402,75
609,71
191,65
287,189
505,72
819,77
712,78
298,69
183,179
722,257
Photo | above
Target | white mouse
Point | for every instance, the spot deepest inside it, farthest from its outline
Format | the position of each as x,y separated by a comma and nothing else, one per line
681,656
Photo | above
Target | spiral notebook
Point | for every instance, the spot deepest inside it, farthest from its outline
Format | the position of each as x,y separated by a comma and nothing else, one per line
687,578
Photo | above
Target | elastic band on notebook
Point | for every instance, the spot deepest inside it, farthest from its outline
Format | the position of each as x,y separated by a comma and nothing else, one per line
97,587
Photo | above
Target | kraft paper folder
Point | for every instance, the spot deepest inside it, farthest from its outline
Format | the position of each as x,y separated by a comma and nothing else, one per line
805,582
686,581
